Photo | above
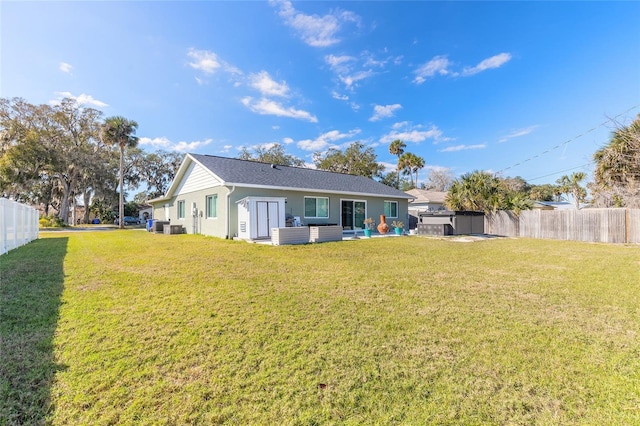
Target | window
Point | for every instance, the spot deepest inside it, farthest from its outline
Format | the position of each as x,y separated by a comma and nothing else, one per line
316,207
181,209
391,208
212,206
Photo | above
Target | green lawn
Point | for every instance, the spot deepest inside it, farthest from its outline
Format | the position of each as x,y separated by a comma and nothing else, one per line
127,327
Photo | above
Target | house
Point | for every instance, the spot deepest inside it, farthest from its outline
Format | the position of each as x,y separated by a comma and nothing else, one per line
424,201
229,197
145,212
557,205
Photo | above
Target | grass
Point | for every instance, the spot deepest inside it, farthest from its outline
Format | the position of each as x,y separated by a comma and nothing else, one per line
31,285
183,329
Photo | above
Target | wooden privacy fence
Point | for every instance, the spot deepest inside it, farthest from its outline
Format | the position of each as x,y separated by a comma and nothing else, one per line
595,225
18,225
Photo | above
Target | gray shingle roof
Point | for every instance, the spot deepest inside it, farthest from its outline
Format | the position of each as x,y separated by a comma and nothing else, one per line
253,173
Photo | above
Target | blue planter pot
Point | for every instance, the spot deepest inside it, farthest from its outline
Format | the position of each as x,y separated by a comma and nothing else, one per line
398,231
367,233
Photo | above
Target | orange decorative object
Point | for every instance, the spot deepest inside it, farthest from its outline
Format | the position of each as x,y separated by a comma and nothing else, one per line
383,228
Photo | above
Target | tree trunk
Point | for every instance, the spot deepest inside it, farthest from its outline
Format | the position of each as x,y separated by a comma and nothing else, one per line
86,197
64,204
121,204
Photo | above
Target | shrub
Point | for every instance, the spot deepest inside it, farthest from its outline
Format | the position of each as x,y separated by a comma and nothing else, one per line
50,222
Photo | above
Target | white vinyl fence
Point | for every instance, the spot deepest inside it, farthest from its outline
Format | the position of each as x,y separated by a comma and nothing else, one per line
18,225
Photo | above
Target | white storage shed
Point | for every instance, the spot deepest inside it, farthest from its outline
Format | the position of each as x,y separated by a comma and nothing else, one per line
257,216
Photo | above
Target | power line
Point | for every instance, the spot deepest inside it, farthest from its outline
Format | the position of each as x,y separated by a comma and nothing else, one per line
561,171
568,141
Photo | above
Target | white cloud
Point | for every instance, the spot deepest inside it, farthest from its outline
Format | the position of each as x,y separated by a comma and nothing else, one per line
263,146
441,65
354,106
82,99
518,133
231,69
350,80
287,141
263,82
416,136
182,146
371,61
226,148
408,133
351,69
312,145
339,97
384,111
389,167
266,106
65,67
345,68
268,87
191,146
325,140
85,99
493,62
400,125
316,31
160,142
339,63
462,147
203,60
438,65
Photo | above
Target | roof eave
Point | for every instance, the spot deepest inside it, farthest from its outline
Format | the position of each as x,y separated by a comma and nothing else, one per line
158,199
329,191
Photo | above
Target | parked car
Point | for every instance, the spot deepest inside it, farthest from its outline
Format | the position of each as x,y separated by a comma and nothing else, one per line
128,220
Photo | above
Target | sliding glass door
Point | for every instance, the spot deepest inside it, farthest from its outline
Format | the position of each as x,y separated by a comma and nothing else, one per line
353,214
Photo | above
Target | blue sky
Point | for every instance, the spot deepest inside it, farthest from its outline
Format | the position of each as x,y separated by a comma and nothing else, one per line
507,87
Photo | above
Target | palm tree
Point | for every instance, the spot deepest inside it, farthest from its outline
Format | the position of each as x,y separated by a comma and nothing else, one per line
397,148
119,131
410,163
418,164
476,191
617,173
517,202
405,164
570,185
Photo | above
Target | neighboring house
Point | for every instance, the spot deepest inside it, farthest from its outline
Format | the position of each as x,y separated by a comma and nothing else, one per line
424,201
145,212
557,205
542,205
228,197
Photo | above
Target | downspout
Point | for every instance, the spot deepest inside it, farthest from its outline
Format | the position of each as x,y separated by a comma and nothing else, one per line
228,221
